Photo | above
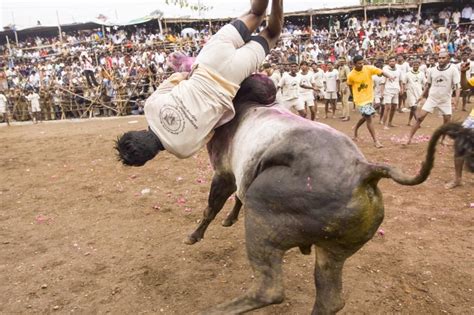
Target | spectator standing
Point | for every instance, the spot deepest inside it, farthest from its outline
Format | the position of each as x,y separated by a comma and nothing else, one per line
438,91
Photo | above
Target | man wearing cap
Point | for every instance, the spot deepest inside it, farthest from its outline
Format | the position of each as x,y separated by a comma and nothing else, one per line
344,88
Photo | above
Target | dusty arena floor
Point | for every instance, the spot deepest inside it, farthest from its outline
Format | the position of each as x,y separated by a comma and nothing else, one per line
80,234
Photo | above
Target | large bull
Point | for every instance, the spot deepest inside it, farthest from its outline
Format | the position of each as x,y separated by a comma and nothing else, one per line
302,184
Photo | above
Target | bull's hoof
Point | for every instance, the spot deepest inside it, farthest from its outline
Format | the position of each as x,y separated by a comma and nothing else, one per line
229,222
190,240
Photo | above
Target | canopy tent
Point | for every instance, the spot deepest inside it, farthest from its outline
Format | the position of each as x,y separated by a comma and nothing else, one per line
219,13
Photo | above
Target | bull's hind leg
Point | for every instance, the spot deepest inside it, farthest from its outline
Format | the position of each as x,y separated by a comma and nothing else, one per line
328,278
222,187
266,261
234,214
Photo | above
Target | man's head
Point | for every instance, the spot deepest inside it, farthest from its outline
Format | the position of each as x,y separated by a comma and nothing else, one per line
135,148
400,59
358,62
379,63
392,62
416,65
293,68
342,62
443,58
330,66
304,66
267,69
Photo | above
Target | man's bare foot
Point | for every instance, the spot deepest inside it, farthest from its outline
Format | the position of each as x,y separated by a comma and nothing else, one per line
453,184
355,139
378,145
326,117
346,119
409,124
391,125
386,128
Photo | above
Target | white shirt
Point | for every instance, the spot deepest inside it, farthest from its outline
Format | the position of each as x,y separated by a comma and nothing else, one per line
404,67
331,78
318,78
306,80
442,83
184,113
34,99
377,85
466,12
414,83
3,103
392,86
290,86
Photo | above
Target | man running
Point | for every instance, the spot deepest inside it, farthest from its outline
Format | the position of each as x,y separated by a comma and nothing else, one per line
290,90
361,84
331,86
186,108
391,91
414,83
468,123
307,88
438,91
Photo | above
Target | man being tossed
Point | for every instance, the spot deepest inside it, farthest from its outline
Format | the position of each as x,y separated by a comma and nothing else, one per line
183,113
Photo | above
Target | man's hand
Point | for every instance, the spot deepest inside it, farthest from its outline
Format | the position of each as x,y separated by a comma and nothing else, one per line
465,66
420,100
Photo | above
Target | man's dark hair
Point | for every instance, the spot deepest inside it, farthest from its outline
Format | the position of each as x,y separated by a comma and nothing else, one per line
303,63
357,58
135,148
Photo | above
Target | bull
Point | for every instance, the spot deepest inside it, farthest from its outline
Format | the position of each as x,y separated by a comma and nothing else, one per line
296,196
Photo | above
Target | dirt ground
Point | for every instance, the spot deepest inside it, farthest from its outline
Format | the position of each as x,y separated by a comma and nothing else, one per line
80,234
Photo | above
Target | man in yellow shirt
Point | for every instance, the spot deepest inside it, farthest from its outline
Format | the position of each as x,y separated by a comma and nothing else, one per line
468,124
361,84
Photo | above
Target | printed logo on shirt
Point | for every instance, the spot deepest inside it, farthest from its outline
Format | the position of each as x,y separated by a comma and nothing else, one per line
362,86
440,81
171,119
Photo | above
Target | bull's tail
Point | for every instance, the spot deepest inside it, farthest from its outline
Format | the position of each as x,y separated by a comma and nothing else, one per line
464,146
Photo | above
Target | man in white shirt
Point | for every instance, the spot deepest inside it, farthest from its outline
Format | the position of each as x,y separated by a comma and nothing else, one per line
34,99
185,109
307,88
377,82
414,82
3,108
466,14
290,90
404,68
439,88
331,86
391,90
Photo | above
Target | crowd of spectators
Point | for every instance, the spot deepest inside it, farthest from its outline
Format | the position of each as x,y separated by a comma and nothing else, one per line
112,71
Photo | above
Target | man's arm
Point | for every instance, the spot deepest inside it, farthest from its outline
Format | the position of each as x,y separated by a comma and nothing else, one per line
464,83
388,75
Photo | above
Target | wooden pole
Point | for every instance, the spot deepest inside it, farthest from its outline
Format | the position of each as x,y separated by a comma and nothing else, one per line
59,27
365,11
160,26
311,24
418,18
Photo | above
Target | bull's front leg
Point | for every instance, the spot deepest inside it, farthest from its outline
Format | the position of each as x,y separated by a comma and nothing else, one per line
222,187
